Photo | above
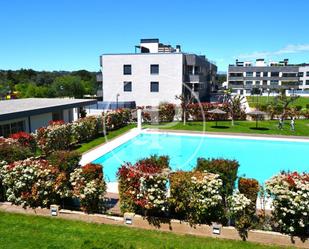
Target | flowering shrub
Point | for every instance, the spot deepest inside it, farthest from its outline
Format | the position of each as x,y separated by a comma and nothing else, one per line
2,189
116,119
142,186
239,210
237,204
11,150
195,196
66,161
166,112
25,139
199,111
250,189
56,136
89,187
87,128
226,169
290,193
30,182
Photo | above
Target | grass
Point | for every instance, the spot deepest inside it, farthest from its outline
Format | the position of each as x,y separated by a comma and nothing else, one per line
101,140
264,100
25,231
269,127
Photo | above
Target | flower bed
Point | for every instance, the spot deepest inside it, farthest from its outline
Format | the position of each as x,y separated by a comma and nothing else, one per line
116,119
166,112
87,128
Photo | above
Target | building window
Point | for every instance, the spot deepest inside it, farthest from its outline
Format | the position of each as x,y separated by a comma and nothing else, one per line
258,74
154,86
257,82
8,129
307,82
249,82
154,69
274,82
274,74
301,74
265,74
249,74
56,116
127,86
307,74
127,69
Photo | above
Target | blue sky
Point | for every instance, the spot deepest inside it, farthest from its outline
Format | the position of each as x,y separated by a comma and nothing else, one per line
71,34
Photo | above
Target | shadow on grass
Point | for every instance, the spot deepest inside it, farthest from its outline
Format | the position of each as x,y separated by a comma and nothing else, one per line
259,128
220,127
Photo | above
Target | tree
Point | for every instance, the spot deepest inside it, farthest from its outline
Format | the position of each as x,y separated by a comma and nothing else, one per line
234,106
285,101
69,86
185,101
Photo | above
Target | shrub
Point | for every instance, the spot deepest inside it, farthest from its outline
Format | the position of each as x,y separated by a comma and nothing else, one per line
250,189
66,161
166,112
239,210
116,119
30,182
56,136
2,189
89,187
226,169
290,195
195,196
25,139
87,128
11,150
142,186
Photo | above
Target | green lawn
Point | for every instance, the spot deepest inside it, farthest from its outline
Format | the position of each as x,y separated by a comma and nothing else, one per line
23,231
267,127
264,100
101,140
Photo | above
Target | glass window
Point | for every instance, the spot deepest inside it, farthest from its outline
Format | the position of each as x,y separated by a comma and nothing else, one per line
307,73
258,74
264,82
154,69
127,86
274,74
257,82
307,82
249,82
301,74
265,74
127,69
274,82
154,86
249,74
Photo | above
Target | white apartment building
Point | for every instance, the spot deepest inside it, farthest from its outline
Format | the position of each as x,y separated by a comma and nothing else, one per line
154,74
304,77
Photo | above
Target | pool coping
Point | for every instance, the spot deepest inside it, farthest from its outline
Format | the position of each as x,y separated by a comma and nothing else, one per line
232,134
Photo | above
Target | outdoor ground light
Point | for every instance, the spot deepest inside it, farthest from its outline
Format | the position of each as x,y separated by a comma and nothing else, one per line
216,228
54,210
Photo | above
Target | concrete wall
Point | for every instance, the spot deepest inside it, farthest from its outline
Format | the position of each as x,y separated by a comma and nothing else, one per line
170,77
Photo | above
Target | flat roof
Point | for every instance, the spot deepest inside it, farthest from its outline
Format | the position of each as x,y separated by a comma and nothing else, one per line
17,108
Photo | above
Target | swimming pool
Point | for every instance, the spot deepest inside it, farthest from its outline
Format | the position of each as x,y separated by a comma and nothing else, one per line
258,158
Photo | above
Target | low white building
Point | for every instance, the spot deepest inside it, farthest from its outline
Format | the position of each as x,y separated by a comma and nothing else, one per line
32,113
157,73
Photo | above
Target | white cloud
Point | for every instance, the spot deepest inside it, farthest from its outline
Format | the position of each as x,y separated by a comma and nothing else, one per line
289,49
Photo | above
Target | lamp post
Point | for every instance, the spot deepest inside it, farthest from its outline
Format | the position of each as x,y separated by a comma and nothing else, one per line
117,96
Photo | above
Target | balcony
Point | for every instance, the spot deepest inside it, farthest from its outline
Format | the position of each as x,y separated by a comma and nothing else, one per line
195,78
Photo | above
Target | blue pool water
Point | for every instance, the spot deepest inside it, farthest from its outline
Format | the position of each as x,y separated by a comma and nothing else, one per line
258,159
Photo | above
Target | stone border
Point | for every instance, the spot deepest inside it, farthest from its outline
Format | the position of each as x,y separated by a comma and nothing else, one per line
174,226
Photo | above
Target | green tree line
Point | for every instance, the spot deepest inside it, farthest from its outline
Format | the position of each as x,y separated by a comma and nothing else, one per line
28,83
